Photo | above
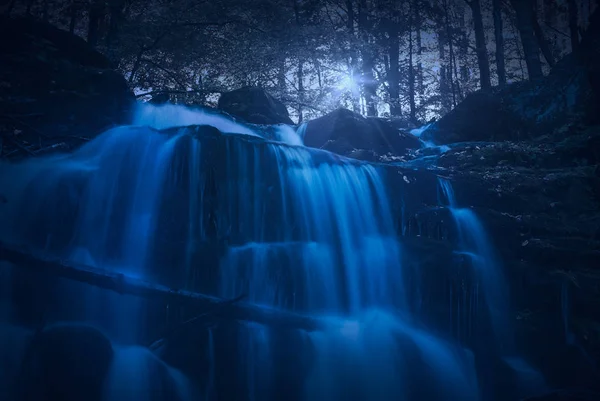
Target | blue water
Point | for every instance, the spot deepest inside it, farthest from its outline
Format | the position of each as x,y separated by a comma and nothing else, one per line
138,374
304,230
474,243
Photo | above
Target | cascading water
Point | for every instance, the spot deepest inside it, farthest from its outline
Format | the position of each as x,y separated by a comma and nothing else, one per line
474,243
293,228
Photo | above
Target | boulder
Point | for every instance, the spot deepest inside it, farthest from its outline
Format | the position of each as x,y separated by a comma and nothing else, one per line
527,110
67,362
54,86
350,134
254,105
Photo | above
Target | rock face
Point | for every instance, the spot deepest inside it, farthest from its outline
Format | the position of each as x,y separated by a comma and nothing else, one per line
53,86
528,110
349,134
254,105
66,362
526,159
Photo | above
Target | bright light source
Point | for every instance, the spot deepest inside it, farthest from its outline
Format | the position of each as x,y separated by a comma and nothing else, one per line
348,84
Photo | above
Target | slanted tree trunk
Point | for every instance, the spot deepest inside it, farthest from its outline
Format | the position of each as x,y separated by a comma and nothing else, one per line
531,49
542,41
499,38
113,281
574,25
483,61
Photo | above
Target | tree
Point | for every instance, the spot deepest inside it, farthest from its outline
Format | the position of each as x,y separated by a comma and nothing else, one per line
525,17
543,44
499,38
480,44
573,24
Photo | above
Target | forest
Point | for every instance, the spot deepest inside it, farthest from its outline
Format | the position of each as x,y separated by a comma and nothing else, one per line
410,59
299,200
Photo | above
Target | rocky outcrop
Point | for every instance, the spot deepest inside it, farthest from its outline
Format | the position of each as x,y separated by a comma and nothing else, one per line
254,105
55,90
349,134
529,110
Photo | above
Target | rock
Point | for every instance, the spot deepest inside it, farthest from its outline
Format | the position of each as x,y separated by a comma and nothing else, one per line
67,362
480,117
53,85
349,134
567,395
254,105
528,110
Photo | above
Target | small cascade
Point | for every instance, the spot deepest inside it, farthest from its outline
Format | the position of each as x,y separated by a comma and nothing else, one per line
377,354
287,134
474,243
170,116
301,131
137,374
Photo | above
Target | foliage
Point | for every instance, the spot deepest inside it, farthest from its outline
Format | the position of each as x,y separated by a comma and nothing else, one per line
414,58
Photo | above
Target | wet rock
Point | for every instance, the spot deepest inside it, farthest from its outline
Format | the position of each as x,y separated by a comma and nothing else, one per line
254,105
54,87
347,133
567,395
66,362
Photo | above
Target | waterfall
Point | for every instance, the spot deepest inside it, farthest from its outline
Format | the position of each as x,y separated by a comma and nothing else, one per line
474,243
137,374
240,211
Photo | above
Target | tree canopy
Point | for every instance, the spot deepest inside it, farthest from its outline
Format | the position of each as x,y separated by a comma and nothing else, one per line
406,58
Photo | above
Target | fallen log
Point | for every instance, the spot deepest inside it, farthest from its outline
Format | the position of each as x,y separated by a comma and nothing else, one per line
120,283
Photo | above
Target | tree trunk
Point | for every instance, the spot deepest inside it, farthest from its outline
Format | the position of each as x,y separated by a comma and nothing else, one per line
116,16
418,26
353,53
95,15
443,83
480,44
411,69
368,80
451,48
10,7
499,38
300,89
122,284
394,71
531,49
45,6
73,19
542,41
281,83
29,6
574,25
